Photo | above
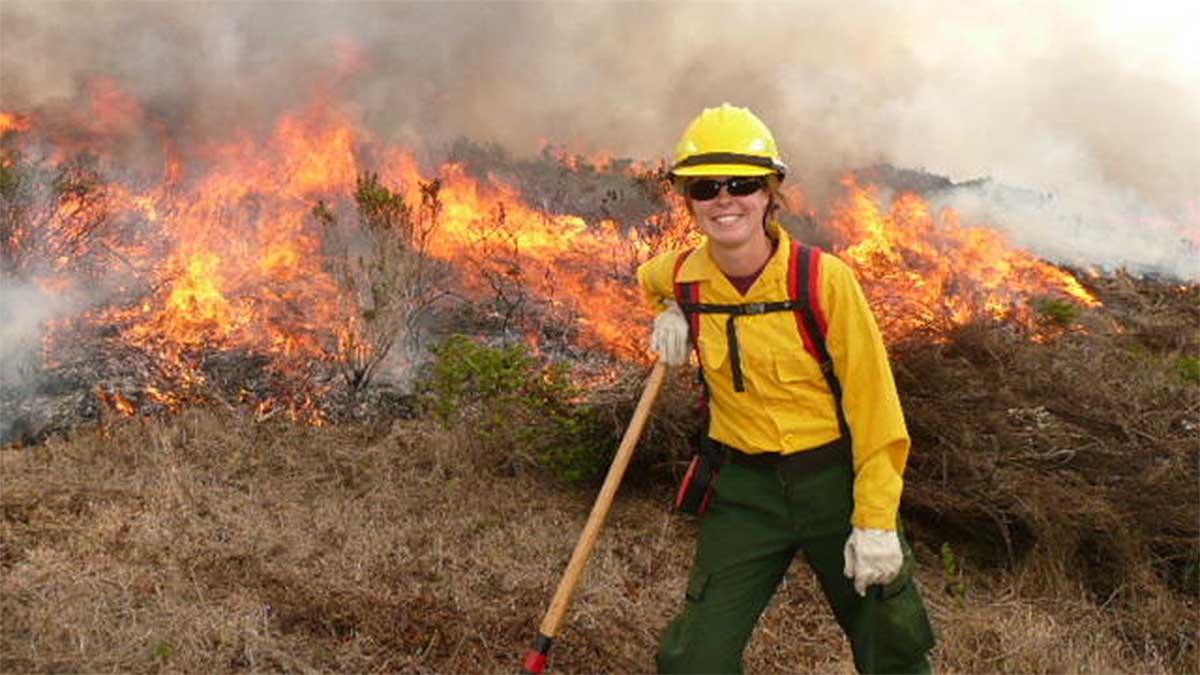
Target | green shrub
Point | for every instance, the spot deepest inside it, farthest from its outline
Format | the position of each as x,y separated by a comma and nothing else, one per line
952,573
1191,578
1057,311
162,651
1188,368
517,406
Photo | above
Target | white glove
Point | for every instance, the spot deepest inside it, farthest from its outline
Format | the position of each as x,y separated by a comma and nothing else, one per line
872,557
670,337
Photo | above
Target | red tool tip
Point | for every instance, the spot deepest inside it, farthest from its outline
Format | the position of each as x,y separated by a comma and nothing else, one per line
534,662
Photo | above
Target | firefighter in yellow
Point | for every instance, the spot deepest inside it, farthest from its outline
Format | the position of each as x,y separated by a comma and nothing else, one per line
811,460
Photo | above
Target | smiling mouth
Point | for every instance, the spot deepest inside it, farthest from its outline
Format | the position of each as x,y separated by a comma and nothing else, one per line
728,218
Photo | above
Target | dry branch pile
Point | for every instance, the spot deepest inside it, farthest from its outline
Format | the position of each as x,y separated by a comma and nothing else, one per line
1077,461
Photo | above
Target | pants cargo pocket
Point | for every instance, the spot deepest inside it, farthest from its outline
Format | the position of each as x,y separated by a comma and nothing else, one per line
893,634
677,649
696,585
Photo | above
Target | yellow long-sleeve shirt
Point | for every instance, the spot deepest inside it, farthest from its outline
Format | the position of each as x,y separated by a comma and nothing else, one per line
787,406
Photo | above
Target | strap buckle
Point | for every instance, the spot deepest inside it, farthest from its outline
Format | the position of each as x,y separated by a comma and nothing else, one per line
755,308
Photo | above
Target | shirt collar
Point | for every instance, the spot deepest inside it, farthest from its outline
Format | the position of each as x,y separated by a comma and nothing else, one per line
700,266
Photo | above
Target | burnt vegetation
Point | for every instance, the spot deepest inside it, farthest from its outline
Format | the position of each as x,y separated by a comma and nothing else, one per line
1052,493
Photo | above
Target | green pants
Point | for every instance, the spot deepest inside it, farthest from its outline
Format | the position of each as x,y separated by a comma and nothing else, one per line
757,522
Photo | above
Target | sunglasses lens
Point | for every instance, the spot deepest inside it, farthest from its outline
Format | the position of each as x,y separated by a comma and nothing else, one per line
704,189
740,187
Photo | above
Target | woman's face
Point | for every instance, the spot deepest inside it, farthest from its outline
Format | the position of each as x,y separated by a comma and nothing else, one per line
731,221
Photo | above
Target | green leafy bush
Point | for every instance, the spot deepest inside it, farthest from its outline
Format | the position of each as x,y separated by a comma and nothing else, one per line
1057,311
1189,368
517,406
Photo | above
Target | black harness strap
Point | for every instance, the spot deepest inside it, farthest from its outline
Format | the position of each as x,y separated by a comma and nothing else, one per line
686,294
735,311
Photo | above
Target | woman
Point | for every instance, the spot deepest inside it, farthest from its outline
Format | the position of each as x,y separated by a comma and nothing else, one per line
801,473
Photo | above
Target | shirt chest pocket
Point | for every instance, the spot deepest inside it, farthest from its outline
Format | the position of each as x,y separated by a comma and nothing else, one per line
795,365
793,373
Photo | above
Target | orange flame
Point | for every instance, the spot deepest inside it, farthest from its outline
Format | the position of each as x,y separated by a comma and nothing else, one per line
489,231
241,257
11,122
928,271
116,402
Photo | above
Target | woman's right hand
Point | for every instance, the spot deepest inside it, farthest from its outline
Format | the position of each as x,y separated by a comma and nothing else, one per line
670,337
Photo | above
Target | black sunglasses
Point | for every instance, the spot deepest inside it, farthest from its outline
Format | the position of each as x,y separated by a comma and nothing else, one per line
704,189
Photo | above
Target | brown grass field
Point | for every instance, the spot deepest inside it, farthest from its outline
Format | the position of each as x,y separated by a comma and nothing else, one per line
209,542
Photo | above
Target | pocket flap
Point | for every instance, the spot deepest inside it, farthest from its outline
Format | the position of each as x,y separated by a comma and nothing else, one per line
795,365
696,584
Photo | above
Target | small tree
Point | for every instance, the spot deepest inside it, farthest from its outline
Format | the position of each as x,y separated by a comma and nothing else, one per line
497,257
380,261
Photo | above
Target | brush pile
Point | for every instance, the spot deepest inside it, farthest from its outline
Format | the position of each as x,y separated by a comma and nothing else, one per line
1077,460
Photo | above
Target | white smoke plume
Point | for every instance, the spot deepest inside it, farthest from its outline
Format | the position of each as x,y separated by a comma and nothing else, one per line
23,307
1096,104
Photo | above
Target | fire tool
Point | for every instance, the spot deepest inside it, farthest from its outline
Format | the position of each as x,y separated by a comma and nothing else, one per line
535,660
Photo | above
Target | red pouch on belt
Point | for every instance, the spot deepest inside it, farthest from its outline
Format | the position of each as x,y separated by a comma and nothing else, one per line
696,488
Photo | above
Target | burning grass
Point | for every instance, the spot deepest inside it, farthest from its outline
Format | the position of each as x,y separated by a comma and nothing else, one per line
318,249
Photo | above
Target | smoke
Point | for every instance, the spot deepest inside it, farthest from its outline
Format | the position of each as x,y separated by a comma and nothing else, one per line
1095,103
23,307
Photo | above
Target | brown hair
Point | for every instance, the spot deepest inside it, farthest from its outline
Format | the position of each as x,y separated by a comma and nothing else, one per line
778,199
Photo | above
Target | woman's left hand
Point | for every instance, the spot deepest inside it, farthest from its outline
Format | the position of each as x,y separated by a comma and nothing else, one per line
670,335
872,557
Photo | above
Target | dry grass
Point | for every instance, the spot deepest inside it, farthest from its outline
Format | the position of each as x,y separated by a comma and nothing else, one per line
209,543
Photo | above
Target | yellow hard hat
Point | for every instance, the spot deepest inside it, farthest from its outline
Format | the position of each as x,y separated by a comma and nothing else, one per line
727,141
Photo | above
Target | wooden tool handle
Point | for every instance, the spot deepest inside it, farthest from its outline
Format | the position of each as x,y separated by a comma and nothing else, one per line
587,540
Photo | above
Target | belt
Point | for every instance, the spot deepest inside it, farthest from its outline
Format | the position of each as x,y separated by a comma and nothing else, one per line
804,461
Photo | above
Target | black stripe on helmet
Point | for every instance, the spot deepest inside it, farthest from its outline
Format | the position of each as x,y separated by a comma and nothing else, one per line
730,158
